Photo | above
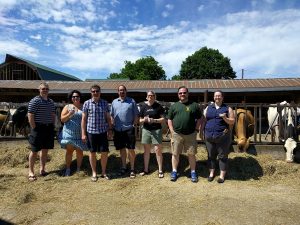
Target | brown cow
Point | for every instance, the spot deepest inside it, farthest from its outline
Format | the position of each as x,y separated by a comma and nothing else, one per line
244,128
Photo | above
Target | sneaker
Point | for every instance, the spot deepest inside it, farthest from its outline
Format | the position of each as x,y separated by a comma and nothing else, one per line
194,177
67,172
174,176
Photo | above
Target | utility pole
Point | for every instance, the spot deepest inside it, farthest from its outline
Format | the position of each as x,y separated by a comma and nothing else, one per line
242,73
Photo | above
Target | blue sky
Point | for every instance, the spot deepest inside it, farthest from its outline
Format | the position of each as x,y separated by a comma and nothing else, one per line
91,39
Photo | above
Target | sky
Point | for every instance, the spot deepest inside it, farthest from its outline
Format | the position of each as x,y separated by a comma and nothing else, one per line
90,39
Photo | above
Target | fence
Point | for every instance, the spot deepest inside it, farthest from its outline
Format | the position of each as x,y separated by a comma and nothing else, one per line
259,111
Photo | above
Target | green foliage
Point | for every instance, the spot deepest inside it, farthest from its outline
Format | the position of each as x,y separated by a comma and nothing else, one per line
143,69
116,76
176,77
206,63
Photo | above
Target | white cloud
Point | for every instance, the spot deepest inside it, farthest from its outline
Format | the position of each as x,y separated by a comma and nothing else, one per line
15,47
200,8
6,5
262,41
249,42
165,14
169,7
36,37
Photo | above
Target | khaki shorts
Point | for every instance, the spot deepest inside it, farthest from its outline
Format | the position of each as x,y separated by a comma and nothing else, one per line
181,143
151,136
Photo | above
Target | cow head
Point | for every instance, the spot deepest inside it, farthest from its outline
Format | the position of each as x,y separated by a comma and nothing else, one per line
243,144
290,145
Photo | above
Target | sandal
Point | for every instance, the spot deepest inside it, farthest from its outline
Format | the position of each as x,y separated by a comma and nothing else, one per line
43,173
31,178
144,173
94,179
132,174
220,180
160,174
105,176
210,179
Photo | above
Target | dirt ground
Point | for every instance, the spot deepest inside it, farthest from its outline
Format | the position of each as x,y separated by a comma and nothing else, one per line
258,190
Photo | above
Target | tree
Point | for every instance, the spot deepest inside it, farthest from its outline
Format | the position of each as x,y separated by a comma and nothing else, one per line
143,69
206,63
176,77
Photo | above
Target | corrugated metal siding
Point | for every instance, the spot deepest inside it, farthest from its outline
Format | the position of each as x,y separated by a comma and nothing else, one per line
163,86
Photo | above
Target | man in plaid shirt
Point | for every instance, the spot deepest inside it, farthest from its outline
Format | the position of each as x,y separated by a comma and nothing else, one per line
96,129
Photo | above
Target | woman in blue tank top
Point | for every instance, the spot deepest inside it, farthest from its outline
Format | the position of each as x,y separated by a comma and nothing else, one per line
218,119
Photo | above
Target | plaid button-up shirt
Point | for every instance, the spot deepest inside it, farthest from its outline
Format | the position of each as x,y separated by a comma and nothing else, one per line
96,116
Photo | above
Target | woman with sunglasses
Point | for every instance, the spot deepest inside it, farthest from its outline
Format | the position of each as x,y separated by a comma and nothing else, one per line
152,118
71,116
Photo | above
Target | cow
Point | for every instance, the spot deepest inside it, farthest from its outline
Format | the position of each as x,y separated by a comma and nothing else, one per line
291,134
3,121
287,134
275,123
244,128
15,121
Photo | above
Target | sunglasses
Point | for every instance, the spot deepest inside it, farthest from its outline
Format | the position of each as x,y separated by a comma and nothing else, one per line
75,96
150,95
181,93
95,91
45,89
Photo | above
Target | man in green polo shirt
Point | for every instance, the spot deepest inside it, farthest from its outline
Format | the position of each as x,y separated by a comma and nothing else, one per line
184,122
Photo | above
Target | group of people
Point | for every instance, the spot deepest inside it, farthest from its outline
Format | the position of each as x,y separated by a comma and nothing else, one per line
90,126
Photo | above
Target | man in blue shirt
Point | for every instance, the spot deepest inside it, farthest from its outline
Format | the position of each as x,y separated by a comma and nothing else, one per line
124,113
96,128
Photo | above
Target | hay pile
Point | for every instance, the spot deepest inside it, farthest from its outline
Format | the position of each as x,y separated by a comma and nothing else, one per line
242,166
256,186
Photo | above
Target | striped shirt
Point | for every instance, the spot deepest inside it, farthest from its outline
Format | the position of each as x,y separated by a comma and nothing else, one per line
42,109
96,116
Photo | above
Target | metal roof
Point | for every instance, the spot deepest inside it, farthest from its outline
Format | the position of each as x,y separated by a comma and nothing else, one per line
168,86
45,73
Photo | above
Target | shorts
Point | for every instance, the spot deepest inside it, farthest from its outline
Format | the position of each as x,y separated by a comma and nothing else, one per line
151,136
97,142
181,143
124,139
41,137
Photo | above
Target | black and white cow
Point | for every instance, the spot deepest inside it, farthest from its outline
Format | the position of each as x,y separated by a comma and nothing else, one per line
284,118
290,144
